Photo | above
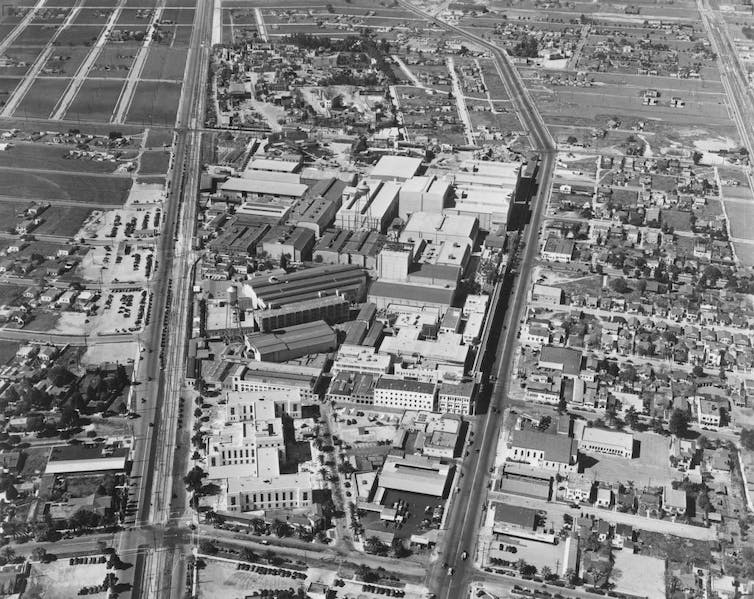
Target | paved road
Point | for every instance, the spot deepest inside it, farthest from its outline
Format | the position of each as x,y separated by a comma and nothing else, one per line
159,494
467,505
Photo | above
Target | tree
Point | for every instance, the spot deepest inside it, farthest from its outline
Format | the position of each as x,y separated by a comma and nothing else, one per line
346,468
619,285
366,574
697,371
207,547
546,572
678,423
544,423
7,555
39,554
399,549
657,425
248,555
281,529
375,546
632,418
193,480
747,438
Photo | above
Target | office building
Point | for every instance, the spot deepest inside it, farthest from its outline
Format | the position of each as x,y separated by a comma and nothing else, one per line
357,358
407,395
268,376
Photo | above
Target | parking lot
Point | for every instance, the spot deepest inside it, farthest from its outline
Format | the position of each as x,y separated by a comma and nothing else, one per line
123,311
418,511
122,224
532,552
649,467
119,263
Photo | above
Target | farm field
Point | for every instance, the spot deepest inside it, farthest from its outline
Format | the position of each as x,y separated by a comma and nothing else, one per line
182,35
179,16
93,16
135,19
7,85
41,98
62,220
95,100
76,188
35,35
154,103
164,63
42,156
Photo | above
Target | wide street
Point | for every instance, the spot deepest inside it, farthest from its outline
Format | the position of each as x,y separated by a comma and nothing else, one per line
467,504
160,496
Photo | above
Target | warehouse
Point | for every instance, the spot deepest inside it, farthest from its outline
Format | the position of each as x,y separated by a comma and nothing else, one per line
609,442
295,243
292,342
423,194
396,168
440,227
319,281
384,293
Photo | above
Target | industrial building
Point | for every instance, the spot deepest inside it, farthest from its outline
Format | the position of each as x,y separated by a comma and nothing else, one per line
295,243
352,387
332,309
396,168
423,194
440,227
319,281
292,342
360,248
314,213
371,206
237,241
385,293
409,344
242,188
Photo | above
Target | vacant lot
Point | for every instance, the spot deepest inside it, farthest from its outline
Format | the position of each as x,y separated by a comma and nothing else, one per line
8,351
740,218
42,156
164,63
77,188
22,59
59,580
95,101
115,61
35,35
78,35
179,16
65,61
8,294
41,98
62,220
154,103
154,163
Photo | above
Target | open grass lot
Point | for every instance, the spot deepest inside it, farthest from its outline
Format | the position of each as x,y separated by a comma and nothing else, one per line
638,575
93,16
9,293
41,98
182,35
42,156
179,16
165,63
77,188
36,460
154,103
8,350
62,220
741,218
745,253
157,138
100,2
95,101
78,35
59,580
35,35
65,61
134,18
7,85
154,163
115,61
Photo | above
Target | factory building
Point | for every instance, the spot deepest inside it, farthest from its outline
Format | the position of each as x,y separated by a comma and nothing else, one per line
396,168
320,281
268,376
241,189
370,206
440,227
